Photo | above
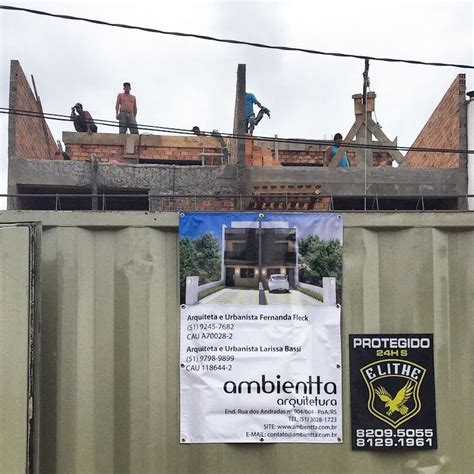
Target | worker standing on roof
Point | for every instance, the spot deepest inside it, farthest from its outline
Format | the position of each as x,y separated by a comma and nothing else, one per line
82,119
250,121
331,152
126,110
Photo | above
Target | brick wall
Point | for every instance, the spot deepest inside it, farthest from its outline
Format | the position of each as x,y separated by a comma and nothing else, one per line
230,204
380,160
316,158
115,153
113,148
29,137
256,154
194,204
103,152
442,130
295,157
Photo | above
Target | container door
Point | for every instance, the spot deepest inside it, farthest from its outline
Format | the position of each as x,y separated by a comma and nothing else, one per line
17,344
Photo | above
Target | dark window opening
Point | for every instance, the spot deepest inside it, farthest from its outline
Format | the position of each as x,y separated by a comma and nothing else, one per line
395,204
169,162
289,163
79,199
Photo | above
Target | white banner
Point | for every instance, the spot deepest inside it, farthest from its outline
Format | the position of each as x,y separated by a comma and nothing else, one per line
260,373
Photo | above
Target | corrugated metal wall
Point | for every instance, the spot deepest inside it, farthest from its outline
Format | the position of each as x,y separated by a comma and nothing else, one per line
110,322
14,347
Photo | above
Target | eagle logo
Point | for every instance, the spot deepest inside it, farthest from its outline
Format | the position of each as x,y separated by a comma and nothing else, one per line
397,403
392,376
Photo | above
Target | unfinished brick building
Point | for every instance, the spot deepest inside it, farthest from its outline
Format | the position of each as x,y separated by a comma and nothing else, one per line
162,172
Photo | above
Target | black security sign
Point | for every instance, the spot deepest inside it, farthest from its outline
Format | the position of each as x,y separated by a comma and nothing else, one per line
392,391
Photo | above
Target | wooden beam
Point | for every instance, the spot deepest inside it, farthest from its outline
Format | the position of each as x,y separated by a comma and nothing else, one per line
337,158
385,141
354,129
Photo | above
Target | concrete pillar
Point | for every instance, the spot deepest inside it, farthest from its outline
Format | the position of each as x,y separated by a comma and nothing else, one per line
94,186
192,286
359,106
224,227
131,142
470,146
329,291
238,146
239,112
365,155
364,134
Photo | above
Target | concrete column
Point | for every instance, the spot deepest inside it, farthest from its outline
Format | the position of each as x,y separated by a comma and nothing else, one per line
364,112
364,136
224,227
94,187
239,112
329,291
238,147
192,287
470,158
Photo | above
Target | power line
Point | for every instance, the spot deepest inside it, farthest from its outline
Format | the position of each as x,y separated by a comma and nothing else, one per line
232,41
184,131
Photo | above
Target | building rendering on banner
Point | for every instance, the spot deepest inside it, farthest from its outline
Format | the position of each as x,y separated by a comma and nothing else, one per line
204,172
242,245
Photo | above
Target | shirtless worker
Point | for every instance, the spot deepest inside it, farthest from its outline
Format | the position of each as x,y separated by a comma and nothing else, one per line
126,110
83,121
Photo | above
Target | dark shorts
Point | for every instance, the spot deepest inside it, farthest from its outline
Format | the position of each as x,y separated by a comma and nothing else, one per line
127,120
81,126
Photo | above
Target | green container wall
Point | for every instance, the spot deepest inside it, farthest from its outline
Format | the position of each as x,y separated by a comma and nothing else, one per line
110,327
14,347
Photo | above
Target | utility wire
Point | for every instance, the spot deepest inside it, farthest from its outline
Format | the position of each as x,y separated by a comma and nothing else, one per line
232,41
184,131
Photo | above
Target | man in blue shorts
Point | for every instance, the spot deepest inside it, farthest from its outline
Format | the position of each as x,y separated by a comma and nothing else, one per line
250,99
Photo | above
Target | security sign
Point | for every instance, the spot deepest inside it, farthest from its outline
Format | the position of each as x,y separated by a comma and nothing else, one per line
392,391
403,381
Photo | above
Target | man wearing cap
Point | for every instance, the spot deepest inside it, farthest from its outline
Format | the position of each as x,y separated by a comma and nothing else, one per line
83,121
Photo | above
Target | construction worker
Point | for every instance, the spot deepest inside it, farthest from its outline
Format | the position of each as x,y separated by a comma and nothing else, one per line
250,121
126,110
83,121
331,152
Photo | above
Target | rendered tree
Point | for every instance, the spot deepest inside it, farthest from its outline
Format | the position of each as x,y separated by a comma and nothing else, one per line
319,258
209,260
188,262
199,257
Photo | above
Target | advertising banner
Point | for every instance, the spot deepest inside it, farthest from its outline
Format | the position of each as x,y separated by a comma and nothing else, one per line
392,391
260,352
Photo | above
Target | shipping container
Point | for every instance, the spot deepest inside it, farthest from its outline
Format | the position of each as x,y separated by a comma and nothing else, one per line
108,370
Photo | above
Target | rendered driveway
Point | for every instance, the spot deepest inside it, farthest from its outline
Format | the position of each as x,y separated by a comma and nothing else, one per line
293,297
232,296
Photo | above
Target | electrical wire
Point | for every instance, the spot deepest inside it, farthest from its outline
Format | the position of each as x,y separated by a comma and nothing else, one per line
183,131
233,41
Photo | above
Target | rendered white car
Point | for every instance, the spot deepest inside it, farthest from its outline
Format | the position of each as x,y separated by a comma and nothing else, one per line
278,282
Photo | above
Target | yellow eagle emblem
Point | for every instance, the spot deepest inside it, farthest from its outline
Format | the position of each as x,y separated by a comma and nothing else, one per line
396,404
400,377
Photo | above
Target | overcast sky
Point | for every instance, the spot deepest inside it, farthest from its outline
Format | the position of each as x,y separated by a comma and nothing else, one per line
183,82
